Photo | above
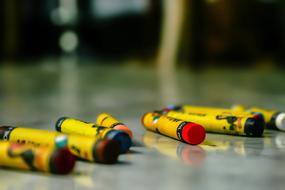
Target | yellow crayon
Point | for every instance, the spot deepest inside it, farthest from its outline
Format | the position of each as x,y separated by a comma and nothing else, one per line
86,148
235,111
107,120
225,124
203,110
191,133
273,119
75,126
44,159
33,137
190,155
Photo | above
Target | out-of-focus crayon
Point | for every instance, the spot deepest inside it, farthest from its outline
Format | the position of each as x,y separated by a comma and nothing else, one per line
107,120
44,159
188,132
273,119
220,123
190,155
86,148
237,111
33,137
74,126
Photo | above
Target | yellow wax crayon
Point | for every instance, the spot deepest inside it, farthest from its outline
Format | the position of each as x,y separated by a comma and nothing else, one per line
44,159
107,120
225,124
190,155
33,137
191,133
75,126
235,111
273,119
91,149
202,109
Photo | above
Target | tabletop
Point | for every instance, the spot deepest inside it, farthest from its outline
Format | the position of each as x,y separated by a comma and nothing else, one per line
35,95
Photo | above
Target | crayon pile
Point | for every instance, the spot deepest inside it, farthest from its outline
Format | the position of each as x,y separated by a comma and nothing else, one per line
56,151
189,123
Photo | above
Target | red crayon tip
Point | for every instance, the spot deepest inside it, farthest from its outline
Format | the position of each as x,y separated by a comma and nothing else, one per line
193,133
62,162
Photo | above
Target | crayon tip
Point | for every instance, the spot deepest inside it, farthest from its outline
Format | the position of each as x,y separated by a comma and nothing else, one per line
125,129
173,107
58,123
193,133
106,151
62,162
280,121
253,127
121,137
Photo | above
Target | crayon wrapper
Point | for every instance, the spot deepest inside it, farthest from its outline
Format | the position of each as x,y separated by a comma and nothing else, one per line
209,110
73,126
164,125
81,146
107,120
25,157
238,108
34,137
214,123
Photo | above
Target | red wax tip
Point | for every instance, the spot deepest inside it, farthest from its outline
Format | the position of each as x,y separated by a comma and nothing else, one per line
193,133
63,162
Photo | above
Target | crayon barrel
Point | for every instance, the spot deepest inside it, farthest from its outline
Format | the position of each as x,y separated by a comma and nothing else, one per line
107,120
188,132
44,159
86,148
74,126
225,124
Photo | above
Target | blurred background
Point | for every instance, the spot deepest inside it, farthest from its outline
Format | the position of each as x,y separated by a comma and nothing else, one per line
195,33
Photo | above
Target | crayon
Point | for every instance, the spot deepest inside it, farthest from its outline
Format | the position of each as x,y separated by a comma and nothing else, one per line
107,120
220,123
190,155
237,111
273,119
91,149
74,126
44,159
188,132
33,137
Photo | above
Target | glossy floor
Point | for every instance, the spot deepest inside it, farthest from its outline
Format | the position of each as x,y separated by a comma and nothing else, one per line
35,95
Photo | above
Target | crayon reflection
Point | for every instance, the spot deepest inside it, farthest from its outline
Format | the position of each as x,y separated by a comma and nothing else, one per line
189,155
280,140
81,178
33,180
241,146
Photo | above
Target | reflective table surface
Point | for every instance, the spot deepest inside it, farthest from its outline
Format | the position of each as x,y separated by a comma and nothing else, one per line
36,94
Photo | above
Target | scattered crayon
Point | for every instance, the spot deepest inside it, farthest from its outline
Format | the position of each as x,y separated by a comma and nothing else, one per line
91,149
237,111
74,126
44,159
188,132
107,120
220,123
34,137
273,119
